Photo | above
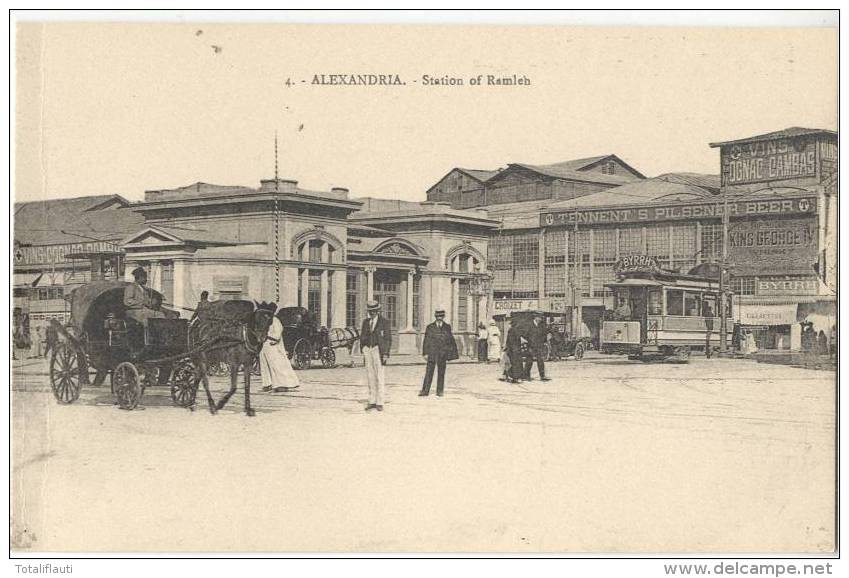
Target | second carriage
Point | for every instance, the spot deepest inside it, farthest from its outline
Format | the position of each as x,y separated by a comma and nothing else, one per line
307,341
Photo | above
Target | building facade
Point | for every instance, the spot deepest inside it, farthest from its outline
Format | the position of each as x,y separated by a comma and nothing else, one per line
321,250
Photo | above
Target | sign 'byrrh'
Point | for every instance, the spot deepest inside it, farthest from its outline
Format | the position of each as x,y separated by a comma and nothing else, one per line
636,264
679,212
768,161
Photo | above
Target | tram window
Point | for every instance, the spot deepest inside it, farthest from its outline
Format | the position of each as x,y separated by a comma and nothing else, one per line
675,302
655,305
709,306
692,304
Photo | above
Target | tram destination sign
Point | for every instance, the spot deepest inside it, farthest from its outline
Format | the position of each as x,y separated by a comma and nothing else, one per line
712,210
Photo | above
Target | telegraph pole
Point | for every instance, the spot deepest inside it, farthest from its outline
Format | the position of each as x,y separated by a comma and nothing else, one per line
723,281
577,296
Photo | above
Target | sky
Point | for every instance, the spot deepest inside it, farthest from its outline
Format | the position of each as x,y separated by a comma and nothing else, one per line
121,108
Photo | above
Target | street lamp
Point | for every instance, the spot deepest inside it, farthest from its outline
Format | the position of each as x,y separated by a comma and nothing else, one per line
479,286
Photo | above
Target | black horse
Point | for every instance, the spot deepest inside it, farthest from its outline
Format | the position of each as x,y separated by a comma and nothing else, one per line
231,332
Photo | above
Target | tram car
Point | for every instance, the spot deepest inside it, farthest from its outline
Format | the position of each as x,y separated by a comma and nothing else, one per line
659,313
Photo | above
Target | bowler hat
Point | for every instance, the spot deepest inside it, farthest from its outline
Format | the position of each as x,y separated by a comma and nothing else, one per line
373,305
439,313
139,272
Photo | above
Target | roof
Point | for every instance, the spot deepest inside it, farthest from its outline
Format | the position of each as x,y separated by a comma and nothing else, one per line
564,171
666,187
478,174
792,132
75,220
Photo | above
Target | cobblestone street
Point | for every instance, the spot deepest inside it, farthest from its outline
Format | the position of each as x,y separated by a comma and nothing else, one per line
610,455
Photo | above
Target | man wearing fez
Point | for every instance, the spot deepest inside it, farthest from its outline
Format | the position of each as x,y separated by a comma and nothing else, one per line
142,302
438,348
536,336
375,341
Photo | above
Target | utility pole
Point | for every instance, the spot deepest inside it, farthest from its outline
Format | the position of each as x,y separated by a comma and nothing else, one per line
723,281
577,295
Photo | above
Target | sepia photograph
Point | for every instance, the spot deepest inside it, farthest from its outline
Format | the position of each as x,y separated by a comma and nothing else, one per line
286,285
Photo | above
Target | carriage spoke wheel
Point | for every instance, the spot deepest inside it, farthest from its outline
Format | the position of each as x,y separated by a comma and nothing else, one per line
128,387
65,373
328,357
184,384
301,356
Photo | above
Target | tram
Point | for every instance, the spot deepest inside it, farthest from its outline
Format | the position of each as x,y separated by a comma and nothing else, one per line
662,313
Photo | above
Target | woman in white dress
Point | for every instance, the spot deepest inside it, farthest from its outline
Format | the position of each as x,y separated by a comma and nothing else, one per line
277,372
494,342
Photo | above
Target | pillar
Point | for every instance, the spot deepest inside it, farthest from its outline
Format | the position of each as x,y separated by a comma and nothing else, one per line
155,279
370,283
409,325
541,267
323,293
180,286
305,280
795,337
339,287
407,335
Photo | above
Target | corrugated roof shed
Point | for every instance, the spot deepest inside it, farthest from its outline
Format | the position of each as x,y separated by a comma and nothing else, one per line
75,220
479,174
666,187
560,171
792,132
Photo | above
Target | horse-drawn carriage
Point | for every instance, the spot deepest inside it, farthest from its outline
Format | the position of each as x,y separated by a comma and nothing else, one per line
162,351
307,341
102,337
559,344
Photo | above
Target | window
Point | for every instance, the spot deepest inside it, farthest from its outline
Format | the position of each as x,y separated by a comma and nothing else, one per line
315,251
743,285
657,243
555,280
683,247
168,281
630,241
711,241
462,305
655,302
692,304
314,293
555,258
463,263
675,302
228,288
352,299
709,308
602,274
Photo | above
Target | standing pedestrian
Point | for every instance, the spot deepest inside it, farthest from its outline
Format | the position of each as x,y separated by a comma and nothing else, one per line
52,337
439,348
39,341
536,336
274,365
494,342
483,343
513,346
375,342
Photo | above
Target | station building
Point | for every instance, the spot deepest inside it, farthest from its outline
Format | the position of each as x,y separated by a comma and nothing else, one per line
322,250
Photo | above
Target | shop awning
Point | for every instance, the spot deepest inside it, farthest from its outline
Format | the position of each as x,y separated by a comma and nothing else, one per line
26,279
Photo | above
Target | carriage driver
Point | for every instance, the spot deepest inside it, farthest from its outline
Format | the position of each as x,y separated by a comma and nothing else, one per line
141,302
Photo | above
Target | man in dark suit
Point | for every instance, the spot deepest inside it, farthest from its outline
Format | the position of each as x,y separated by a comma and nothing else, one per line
375,341
438,348
536,335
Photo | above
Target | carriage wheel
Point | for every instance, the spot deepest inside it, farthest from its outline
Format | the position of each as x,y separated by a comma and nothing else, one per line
65,373
127,385
301,355
328,357
579,351
682,354
184,384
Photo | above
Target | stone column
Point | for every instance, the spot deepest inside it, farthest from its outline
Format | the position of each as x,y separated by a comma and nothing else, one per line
339,287
409,325
155,280
305,281
323,294
180,287
370,283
